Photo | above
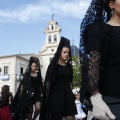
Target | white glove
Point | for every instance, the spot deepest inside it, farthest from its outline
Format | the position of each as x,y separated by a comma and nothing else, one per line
100,109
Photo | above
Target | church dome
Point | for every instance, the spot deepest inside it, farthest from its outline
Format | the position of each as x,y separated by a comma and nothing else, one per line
74,50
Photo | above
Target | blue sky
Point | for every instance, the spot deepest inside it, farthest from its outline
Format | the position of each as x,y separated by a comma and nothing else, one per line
22,23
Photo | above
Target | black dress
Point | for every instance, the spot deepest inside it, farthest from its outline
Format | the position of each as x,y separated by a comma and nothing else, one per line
102,47
36,92
102,66
110,85
61,101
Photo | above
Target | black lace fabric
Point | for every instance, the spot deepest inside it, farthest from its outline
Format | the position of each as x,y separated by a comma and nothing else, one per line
93,70
47,88
26,96
94,50
91,58
49,79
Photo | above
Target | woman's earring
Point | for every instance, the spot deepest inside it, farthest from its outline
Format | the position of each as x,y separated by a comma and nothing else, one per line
112,11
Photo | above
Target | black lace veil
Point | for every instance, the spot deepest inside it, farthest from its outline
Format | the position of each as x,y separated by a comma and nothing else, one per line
98,11
27,90
27,75
50,76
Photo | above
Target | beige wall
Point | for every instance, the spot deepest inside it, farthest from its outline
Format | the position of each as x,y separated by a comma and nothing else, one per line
14,64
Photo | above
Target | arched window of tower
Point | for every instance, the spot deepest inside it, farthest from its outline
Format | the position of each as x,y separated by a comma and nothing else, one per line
52,27
55,38
49,39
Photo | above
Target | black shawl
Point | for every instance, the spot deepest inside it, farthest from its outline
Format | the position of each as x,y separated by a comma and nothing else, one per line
26,97
93,36
50,77
96,38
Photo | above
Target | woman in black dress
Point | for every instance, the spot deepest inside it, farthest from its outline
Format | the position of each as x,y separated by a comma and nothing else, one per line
18,108
32,88
100,54
58,99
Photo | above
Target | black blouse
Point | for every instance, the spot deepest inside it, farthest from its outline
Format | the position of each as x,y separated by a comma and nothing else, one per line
63,75
102,47
111,79
35,85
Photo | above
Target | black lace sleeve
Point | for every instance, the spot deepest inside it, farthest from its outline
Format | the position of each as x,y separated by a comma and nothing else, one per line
40,86
94,70
93,40
48,80
90,48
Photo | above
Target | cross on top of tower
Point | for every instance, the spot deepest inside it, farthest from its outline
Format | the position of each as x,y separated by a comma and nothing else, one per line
53,15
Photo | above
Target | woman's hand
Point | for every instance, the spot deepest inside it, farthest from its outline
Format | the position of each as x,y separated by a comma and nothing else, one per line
100,109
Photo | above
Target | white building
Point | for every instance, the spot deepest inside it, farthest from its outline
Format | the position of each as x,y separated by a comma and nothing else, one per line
52,33
14,65
11,67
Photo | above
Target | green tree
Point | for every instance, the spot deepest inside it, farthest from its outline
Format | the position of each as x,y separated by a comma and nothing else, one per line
77,77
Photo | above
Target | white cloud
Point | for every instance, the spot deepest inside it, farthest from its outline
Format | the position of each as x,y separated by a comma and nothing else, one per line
41,10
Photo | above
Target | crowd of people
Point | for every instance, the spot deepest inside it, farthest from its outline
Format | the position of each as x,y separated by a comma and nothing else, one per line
99,95
10,108
53,100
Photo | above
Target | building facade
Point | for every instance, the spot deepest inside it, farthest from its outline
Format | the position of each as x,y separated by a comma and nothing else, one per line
11,67
52,33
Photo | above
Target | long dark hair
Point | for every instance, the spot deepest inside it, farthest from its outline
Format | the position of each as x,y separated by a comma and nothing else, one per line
5,90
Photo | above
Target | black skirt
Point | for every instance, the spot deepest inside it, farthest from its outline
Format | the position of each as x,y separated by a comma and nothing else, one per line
61,101
36,98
